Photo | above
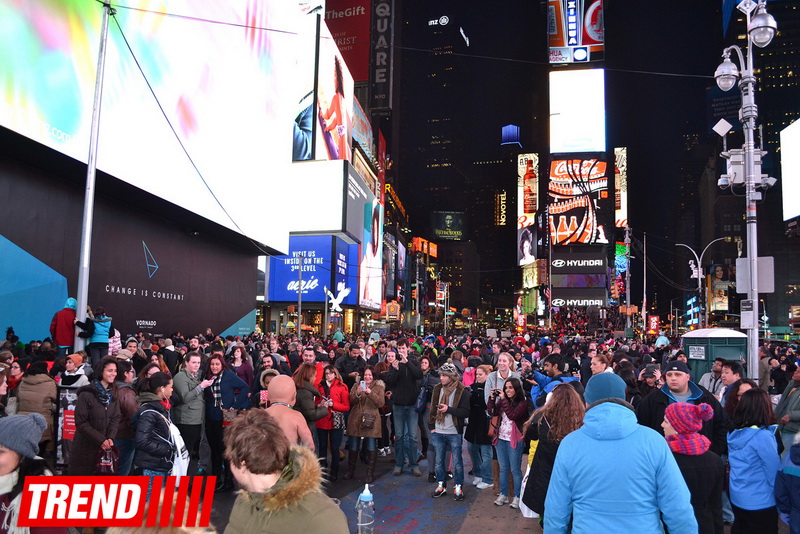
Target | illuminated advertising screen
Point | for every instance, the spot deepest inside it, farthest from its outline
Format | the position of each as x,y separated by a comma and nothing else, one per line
620,258
530,276
402,269
501,208
362,131
578,263
345,274
448,225
359,199
527,189
371,263
577,111
334,102
577,195
579,296
389,264
790,170
719,281
621,187
349,22
312,254
196,111
526,245
576,30
579,280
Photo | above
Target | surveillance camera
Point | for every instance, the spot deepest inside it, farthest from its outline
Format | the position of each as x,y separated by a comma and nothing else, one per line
724,182
768,182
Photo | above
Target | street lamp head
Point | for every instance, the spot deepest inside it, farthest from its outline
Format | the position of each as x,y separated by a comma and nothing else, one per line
727,74
762,27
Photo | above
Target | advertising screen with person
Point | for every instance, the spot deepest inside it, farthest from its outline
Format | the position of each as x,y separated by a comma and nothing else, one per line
371,279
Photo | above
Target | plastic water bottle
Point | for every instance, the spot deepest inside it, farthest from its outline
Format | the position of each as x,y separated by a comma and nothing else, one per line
365,509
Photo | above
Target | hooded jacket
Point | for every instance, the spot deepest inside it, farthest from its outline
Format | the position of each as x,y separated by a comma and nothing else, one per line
62,327
627,484
787,487
154,448
652,408
753,456
295,503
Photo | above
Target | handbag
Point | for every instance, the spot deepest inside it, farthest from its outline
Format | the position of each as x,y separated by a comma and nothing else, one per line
180,460
367,421
494,426
421,403
526,512
106,462
229,415
338,420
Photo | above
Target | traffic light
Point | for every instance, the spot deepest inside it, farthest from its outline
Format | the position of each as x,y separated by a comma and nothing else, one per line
414,295
614,290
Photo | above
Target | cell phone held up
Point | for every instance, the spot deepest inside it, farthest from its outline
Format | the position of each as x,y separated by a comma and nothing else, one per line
362,385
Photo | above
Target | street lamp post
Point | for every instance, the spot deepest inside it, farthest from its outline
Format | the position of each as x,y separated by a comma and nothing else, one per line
761,28
699,260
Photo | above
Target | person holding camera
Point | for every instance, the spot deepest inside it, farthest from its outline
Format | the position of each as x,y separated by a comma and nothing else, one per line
366,399
403,379
649,379
512,409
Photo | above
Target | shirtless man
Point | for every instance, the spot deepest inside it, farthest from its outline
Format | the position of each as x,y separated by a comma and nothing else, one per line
282,395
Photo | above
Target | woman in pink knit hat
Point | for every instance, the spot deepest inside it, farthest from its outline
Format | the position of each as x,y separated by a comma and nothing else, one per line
701,468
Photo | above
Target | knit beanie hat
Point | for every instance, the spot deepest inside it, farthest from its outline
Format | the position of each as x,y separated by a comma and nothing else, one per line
22,433
687,418
604,386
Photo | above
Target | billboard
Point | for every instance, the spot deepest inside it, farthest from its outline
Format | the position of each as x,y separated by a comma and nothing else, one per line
720,279
390,264
578,263
526,245
371,262
530,276
345,274
621,187
571,296
790,170
576,30
402,270
577,111
349,21
191,143
501,208
311,254
334,102
362,131
448,225
381,56
527,189
578,200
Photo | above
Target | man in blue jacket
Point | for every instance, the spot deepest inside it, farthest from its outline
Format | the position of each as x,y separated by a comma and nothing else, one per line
629,481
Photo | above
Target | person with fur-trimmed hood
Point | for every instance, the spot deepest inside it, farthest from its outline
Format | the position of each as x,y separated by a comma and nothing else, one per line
281,483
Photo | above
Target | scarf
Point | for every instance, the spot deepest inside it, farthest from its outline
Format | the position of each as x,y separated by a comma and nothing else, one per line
7,483
693,444
216,390
102,393
444,398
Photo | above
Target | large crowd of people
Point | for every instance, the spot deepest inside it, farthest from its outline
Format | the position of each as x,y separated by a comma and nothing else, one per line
618,435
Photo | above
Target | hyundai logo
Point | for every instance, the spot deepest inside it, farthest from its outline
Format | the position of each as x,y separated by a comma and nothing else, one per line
558,302
559,263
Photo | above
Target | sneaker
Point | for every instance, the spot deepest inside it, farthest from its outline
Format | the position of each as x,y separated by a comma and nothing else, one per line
382,452
397,471
514,503
476,481
431,477
439,491
483,485
416,472
501,500
388,450
458,493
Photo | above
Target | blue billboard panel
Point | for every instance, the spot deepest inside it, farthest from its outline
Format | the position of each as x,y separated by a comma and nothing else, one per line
314,254
345,275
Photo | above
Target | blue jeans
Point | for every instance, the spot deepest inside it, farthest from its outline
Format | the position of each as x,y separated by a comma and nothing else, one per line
481,461
150,473
354,443
510,460
336,443
440,442
406,424
127,449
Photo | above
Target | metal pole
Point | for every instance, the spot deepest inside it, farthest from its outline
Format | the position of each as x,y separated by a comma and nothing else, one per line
550,281
628,278
91,170
446,306
419,290
644,291
299,294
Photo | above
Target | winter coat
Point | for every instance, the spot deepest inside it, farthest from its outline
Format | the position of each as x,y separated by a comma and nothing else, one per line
403,381
494,381
478,426
361,403
234,395
306,406
347,365
704,477
94,423
102,330
790,404
787,487
518,413
128,406
341,402
73,380
627,484
62,327
295,503
459,410
542,465
191,409
154,447
36,394
651,409
754,461
429,381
